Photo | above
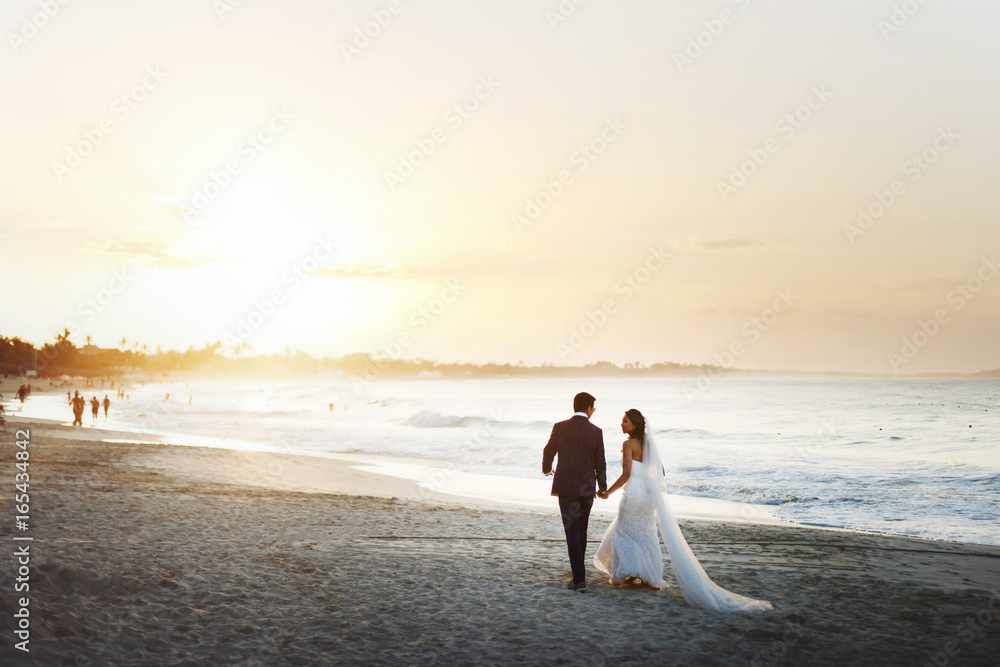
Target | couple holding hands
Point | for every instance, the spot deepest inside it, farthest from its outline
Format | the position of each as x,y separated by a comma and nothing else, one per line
630,551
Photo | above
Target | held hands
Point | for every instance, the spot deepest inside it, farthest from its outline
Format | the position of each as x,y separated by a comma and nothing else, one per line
603,495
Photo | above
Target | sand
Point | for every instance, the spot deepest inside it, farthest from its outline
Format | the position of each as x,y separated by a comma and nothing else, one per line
151,554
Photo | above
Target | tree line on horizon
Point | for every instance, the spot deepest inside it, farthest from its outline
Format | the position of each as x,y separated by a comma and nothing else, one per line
63,357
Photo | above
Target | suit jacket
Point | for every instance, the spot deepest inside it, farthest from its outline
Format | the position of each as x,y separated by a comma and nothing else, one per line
580,448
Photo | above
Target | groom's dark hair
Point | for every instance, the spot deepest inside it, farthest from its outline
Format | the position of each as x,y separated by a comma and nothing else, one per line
582,401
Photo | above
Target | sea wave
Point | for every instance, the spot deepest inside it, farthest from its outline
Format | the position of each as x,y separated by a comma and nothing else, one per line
685,432
428,419
750,496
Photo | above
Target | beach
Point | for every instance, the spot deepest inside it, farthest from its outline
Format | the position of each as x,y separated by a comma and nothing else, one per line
152,554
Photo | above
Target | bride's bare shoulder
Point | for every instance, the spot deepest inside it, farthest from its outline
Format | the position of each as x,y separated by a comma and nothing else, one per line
634,447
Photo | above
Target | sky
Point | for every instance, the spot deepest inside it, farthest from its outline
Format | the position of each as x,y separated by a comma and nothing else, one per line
762,184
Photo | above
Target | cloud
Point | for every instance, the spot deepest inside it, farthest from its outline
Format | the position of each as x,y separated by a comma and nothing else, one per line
931,282
51,224
741,243
386,269
844,312
158,253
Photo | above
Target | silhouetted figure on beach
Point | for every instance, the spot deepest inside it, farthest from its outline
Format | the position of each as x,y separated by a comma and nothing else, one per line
79,403
95,407
22,393
107,404
167,398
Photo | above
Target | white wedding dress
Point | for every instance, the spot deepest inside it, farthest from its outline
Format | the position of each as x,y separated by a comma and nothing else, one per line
631,548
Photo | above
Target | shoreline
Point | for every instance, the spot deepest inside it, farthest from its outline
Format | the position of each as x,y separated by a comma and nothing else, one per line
397,478
426,479
389,476
159,554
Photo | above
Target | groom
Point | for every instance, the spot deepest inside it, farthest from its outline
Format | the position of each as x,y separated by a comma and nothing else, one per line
580,448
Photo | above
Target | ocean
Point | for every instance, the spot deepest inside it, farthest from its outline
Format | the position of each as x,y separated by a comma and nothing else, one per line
915,457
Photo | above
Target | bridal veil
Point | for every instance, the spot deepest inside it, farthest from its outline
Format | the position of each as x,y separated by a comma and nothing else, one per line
697,588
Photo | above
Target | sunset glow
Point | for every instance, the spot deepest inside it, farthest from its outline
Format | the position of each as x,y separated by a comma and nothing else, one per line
352,159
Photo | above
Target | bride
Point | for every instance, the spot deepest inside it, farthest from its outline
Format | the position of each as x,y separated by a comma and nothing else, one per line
630,550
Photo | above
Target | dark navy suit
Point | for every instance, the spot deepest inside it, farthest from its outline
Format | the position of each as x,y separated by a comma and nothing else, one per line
580,472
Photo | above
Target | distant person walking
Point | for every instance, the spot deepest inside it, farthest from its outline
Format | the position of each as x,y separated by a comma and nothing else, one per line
107,404
79,403
95,408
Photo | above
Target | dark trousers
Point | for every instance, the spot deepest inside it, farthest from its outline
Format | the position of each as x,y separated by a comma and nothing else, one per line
576,515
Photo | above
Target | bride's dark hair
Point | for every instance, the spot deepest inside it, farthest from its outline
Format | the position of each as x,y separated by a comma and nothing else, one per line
639,422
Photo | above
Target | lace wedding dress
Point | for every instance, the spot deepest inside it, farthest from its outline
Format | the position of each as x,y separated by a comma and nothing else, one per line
631,547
